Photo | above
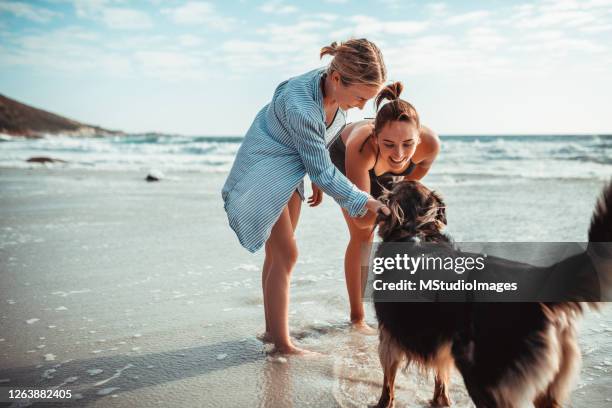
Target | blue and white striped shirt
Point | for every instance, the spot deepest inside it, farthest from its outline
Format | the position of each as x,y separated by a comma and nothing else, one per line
285,141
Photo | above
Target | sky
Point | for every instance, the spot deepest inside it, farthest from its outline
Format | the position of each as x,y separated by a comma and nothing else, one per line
207,67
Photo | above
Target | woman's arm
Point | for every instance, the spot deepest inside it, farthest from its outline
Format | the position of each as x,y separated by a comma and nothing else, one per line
358,162
427,151
306,133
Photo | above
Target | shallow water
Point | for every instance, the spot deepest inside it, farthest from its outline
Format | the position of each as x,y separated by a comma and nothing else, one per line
146,282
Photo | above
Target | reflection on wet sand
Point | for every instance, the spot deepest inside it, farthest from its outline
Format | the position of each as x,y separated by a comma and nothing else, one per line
276,383
358,377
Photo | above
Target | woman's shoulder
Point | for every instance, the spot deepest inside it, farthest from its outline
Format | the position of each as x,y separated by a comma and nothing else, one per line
358,134
305,87
359,142
429,140
296,100
428,148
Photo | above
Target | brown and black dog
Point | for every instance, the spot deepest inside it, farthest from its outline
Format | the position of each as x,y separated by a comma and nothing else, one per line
509,354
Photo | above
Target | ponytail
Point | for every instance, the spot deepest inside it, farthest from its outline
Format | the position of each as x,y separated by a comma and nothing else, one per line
396,110
331,49
390,92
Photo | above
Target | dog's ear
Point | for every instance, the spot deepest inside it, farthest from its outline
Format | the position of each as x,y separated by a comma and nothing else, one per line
388,223
397,213
384,198
441,216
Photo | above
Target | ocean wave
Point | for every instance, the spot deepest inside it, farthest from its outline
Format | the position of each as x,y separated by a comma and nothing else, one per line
461,156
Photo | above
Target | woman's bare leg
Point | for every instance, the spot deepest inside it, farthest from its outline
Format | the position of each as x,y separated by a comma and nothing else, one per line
264,276
294,206
352,269
281,255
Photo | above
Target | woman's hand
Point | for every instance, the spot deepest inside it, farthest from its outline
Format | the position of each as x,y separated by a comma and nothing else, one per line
316,197
376,206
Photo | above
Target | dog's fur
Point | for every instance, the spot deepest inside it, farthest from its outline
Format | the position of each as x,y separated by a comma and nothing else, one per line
509,354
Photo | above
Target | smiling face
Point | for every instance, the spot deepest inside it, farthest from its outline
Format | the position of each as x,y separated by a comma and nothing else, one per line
352,96
397,142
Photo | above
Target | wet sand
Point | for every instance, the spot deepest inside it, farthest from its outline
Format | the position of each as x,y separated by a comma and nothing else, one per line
138,294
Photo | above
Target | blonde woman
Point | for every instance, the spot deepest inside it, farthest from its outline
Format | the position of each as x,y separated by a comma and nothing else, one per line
264,190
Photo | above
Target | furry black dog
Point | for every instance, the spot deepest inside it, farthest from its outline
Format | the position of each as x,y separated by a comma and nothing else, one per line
509,354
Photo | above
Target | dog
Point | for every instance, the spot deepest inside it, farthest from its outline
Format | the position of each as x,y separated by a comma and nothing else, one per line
509,354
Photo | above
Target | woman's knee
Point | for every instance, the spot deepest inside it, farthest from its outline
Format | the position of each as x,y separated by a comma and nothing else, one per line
285,256
289,254
281,244
361,236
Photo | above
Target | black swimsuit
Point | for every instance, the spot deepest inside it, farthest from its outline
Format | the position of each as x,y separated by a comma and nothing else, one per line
337,153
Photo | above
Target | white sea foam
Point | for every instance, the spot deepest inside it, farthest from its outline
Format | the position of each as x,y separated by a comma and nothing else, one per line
522,156
247,267
48,374
116,375
72,292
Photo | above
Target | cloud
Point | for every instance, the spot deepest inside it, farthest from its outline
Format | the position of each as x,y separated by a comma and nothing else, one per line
112,15
556,44
244,56
193,12
79,51
393,4
327,17
428,54
170,65
561,13
188,40
596,28
287,49
484,38
294,32
27,11
443,40
437,9
277,7
470,17
126,19
367,26
70,49
92,8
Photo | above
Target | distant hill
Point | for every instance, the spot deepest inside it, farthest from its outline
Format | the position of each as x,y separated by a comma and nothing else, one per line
19,119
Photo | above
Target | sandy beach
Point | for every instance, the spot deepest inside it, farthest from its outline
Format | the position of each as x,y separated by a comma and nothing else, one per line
138,294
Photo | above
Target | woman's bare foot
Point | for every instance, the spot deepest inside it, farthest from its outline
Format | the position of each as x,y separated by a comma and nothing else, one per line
291,350
362,327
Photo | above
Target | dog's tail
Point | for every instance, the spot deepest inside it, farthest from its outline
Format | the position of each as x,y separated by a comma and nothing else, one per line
600,242
587,278
601,222
592,276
